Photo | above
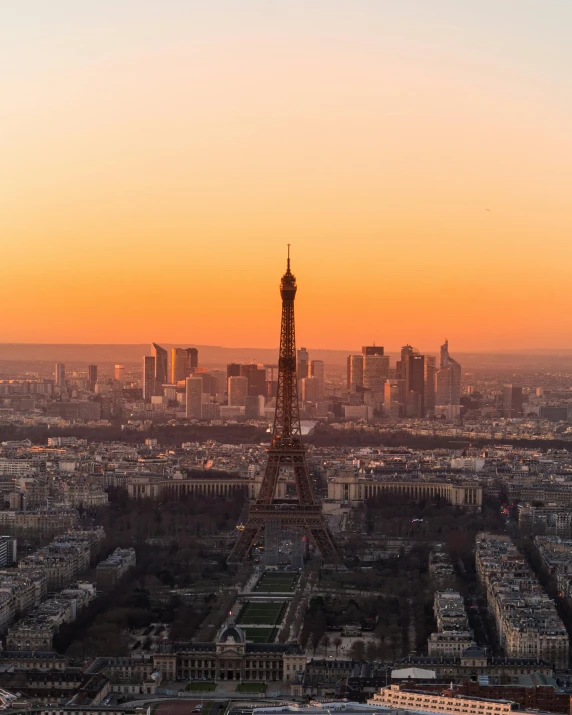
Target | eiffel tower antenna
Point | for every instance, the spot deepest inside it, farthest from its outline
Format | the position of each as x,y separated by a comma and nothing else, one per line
286,451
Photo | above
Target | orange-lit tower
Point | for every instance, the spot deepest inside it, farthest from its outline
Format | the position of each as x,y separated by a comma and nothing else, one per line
287,452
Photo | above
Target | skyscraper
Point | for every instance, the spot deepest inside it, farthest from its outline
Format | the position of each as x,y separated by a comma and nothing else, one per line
148,377
254,407
391,399
161,367
192,358
410,373
430,372
318,370
194,398
233,369
415,385
237,391
448,379
303,362
91,377
310,389
178,365
256,377
375,368
60,374
183,363
355,373
512,401
119,373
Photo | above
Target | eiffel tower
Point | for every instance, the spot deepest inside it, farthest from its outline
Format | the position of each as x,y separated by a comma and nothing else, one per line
287,451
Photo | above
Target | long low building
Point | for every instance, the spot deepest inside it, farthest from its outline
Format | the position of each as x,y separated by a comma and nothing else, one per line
348,486
447,702
473,662
212,484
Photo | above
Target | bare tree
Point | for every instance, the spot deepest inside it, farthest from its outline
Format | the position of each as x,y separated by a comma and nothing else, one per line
326,642
357,651
337,643
371,651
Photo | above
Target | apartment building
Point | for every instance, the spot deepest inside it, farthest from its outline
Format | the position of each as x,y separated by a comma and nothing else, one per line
453,635
526,619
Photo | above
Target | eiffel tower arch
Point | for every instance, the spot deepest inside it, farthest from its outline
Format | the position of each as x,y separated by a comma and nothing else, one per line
287,451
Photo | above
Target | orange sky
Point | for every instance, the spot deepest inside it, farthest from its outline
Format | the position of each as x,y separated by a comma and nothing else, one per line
157,157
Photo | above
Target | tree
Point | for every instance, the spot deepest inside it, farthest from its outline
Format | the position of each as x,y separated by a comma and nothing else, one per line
357,651
316,637
371,651
326,642
337,643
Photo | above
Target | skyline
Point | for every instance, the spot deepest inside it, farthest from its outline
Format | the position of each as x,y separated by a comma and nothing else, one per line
157,160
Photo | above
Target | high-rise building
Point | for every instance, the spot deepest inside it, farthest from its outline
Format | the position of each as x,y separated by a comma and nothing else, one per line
512,400
255,374
91,377
415,385
218,382
303,361
256,377
372,350
310,389
8,551
184,361
233,369
178,365
148,377
318,370
355,373
192,358
410,375
391,399
375,374
194,398
237,390
254,407
119,373
430,373
401,364
448,379
60,374
161,367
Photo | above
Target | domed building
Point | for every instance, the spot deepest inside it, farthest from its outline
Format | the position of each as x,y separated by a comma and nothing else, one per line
232,657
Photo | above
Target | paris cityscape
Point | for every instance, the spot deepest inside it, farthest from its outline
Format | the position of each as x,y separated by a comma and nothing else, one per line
286,358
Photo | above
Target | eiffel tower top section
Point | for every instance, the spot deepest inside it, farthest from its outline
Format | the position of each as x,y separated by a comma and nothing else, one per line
287,433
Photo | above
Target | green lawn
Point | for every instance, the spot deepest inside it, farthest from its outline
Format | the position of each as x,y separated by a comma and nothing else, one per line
260,635
262,614
200,687
277,582
251,688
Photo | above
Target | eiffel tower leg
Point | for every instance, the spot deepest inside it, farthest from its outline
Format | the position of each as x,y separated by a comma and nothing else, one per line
302,479
245,542
323,538
270,480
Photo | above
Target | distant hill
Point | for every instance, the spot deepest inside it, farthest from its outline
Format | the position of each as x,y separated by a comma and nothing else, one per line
101,353
216,355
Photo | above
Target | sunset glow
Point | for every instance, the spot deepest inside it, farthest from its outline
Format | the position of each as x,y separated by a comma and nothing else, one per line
158,157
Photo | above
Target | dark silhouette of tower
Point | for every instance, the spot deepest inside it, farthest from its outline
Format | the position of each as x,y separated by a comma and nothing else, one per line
287,451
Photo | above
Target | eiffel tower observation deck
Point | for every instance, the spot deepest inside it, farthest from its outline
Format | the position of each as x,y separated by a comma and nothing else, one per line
287,452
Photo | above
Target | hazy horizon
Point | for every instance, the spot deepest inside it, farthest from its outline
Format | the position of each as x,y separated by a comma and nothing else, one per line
216,355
